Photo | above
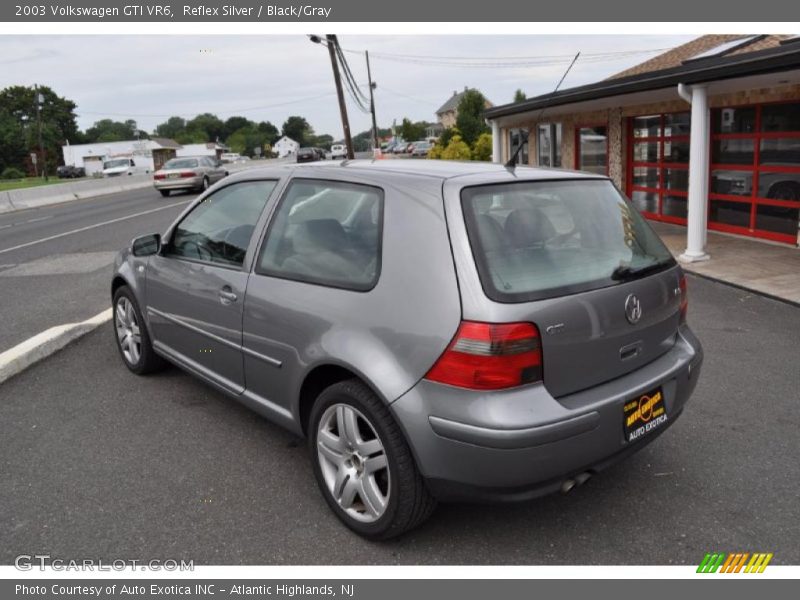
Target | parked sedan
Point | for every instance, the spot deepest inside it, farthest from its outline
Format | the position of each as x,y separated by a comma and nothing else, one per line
307,155
421,148
437,330
70,172
188,173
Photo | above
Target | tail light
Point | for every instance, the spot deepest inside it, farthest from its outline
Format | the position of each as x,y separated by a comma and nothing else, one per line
684,298
188,174
159,176
490,356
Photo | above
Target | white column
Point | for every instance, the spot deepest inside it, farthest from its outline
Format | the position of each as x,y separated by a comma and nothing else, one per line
496,148
698,178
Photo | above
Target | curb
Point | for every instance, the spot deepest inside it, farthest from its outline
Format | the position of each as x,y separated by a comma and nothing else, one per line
738,286
42,345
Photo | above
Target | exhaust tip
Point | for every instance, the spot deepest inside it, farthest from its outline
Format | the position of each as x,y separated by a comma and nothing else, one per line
568,486
583,478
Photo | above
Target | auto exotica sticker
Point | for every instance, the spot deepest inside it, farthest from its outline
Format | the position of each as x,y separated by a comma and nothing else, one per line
644,414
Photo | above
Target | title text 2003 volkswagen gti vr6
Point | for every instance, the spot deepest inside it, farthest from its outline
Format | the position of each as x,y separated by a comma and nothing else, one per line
438,331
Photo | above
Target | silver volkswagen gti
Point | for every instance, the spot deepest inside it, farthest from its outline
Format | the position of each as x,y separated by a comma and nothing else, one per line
437,330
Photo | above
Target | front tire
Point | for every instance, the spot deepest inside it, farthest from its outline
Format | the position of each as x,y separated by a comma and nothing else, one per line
133,340
363,465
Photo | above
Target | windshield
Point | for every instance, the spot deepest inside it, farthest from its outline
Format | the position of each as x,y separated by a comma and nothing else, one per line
180,163
120,162
534,240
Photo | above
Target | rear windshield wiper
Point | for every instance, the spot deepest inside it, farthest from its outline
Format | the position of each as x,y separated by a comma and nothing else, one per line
626,272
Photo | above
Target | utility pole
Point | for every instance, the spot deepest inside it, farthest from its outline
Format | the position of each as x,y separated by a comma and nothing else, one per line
372,105
39,100
332,43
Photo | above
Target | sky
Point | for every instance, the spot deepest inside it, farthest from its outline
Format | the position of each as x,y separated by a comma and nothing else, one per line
149,78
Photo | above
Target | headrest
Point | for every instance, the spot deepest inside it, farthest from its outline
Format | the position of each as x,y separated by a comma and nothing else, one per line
528,227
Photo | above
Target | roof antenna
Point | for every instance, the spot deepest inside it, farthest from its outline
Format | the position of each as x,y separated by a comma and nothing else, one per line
512,162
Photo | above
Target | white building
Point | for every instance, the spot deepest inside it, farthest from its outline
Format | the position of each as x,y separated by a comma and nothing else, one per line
207,149
92,156
285,146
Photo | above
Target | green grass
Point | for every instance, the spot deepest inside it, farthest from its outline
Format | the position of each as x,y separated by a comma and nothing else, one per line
28,182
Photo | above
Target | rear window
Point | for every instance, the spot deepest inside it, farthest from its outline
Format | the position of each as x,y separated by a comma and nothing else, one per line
534,240
180,163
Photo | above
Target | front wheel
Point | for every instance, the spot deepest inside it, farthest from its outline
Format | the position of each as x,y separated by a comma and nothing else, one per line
363,464
133,341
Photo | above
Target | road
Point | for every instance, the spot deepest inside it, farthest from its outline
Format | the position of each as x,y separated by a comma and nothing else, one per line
96,462
55,261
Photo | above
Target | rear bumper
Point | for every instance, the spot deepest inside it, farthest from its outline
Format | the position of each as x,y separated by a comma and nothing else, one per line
185,183
522,443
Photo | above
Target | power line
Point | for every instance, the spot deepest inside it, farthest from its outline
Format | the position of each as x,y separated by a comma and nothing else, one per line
563,57
225,112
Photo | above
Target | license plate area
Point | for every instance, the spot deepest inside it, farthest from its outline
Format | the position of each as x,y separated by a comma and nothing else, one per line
644,414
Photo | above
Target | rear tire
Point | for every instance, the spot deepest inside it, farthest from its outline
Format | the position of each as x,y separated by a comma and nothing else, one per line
133,340
370,457
204,185
164,193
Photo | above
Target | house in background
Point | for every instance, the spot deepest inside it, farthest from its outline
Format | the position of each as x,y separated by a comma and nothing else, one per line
213,149
705,135
285,146
448,112
92,156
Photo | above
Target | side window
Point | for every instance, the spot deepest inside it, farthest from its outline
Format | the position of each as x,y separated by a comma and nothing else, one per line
327,233
218,230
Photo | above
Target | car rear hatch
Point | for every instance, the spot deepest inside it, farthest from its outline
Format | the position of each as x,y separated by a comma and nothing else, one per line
577,260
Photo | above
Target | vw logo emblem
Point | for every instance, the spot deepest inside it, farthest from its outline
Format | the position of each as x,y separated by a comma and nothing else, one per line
633,309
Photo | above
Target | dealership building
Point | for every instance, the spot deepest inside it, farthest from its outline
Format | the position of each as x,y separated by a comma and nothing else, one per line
705,135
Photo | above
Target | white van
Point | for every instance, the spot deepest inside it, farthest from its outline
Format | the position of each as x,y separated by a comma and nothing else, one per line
338,151
113,167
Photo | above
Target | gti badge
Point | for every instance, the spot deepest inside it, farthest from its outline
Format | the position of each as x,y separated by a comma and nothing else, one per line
633,309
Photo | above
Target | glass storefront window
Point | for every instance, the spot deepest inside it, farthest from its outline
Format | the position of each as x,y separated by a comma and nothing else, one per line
780,152
676,179
645,201
646,176
675,206
647,126
732,183
777,219
732,152
779,186
676,151
593,149
780,117
730,213
646,152
677,124
549,145
734,120
515,138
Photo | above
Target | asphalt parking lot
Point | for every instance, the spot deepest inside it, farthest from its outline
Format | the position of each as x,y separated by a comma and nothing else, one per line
97,462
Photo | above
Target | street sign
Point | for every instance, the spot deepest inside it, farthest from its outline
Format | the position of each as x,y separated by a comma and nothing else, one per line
257,150
33,157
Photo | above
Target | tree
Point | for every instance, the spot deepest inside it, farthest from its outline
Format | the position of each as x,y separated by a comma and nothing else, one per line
270,131
233,124
298,129
245,140
171,128
19,130
482,148
519,96
457,149
323,141
208,124
412,131
107,130
470,120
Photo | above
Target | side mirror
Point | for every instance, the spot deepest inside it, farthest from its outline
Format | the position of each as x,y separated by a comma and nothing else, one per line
147,245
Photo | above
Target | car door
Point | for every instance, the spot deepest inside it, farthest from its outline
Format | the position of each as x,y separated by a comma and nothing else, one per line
196,284
320,254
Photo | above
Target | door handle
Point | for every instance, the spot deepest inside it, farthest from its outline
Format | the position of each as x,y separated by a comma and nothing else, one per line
226,295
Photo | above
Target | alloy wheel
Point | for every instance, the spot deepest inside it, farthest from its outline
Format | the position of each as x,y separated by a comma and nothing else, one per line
353,463
128,334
